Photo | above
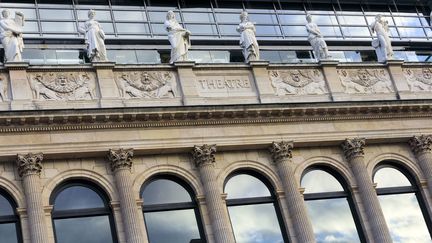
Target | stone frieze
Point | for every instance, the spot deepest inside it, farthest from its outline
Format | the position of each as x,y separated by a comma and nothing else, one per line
365,80
419,79
298,82
3,87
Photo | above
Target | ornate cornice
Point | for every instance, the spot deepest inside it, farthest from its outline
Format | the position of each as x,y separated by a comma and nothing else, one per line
29,164
353,148
421,144
281,151
204,155
120,159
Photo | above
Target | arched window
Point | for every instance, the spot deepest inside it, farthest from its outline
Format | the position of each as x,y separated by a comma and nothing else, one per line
253,210
399,199
81,214
170,212
330,208
10,230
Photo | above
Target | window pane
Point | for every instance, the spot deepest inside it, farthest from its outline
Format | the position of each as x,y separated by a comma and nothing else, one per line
352,20
320,181
51,14
245,186
407,21
178,226
77,197
164,191
228,29
356,31
100,15
228,18
5,207
122,56
202,29
255,223
332,220
134,16
8,233
404,218
161,16
28,13
198,17
293,19
89,230
59,27
130,28
295,31
263,18
31,27
325,20
390,177
148,56
411,32
268,30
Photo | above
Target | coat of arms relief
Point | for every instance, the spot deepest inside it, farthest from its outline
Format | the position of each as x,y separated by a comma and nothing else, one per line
419,79
365,81
298,82
147,85
63,86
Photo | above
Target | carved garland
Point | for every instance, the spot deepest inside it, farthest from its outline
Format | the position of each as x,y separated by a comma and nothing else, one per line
298,82
365,81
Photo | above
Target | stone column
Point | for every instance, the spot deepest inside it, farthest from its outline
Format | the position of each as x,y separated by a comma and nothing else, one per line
422,148
121,163
204,158
282,153
354,153
29,168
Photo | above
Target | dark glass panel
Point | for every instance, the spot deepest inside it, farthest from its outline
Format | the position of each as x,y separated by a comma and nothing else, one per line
122,56
91,2
128,2
178,226
163,191
5,207
317,181
86,230
390,177
8,233
68,57
245,186
404,218
332,220
255,224
150,56
77,197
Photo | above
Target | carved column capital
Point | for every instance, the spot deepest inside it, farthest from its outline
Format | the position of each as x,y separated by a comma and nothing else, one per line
29,164
353,148
204,155
421,144
281,151
120,159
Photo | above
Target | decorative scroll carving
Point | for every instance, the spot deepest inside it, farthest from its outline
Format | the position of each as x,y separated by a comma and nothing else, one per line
419,79
421,144
298,82
353,147
63,86
281,151
3,87
120,159
365,81
204,155
29,164
147,85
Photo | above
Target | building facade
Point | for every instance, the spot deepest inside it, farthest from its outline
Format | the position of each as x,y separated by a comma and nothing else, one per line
283,149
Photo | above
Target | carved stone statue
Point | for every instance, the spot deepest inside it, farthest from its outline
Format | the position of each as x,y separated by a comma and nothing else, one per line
12,35
382,43
94,38
248,41
316,40
178,37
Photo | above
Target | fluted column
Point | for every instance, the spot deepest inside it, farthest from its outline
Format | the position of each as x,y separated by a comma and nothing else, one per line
282,153
354,153
121,163
422,148
29,168
204,158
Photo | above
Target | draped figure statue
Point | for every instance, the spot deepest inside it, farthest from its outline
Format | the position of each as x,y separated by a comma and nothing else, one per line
178,37
11,33
382,43
94,38
248,41
316,40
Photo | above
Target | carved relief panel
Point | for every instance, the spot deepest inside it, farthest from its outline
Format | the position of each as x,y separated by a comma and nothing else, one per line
419,79
298,82
63,85
365,81
4,82
144,84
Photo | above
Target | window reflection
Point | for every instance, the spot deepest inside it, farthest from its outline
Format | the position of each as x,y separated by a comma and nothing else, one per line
9,222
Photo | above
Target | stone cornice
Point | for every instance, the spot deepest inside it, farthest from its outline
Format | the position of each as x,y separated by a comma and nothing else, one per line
204,155
29,164
281,151
353,148
120,159
421,144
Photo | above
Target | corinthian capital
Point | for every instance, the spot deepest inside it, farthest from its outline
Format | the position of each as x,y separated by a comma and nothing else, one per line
281,151
421,144
29,164
120,159
353,147
204,155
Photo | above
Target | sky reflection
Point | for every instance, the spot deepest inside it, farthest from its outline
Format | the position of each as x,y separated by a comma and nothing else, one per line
164,191
8,233
78,197
83,230
5,207
245,186
320,181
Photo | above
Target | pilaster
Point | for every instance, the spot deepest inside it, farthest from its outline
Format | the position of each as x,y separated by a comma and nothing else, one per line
109,92
399,81
20,88
329,68
422,149
262,82
187,80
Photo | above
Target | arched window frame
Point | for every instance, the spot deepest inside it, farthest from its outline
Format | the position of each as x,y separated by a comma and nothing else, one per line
346,193
88,212
12,218
404,189
258,200
193,204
